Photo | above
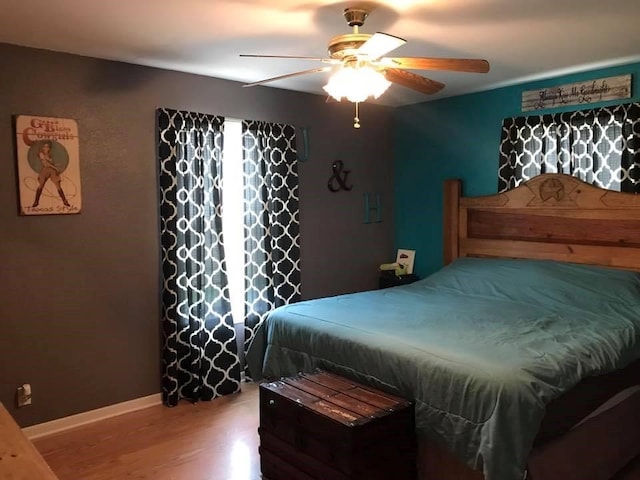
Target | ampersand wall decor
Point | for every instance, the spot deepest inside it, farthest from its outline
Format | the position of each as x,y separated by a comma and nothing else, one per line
338,181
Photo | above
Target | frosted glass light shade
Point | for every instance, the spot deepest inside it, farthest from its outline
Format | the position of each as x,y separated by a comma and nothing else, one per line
356,84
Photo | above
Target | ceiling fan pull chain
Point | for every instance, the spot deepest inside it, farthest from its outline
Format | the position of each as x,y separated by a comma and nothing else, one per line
356,119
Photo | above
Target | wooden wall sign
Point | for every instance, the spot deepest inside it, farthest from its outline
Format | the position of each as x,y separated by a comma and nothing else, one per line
610,88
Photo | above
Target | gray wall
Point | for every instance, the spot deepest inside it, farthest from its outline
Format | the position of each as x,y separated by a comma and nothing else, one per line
79,316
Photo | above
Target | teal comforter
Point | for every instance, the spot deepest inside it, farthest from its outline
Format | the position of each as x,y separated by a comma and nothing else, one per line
481,346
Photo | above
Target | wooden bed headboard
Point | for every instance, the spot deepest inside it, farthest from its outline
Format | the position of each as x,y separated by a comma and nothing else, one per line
552,216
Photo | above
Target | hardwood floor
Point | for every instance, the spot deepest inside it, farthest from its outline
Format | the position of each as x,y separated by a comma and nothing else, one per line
215,440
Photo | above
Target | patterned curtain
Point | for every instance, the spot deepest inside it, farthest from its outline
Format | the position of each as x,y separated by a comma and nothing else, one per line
200,355
272,239
600,146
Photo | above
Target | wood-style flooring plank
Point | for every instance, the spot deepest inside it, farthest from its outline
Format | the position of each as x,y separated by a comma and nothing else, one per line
215,440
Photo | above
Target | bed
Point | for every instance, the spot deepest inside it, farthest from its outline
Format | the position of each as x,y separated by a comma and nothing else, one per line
533,324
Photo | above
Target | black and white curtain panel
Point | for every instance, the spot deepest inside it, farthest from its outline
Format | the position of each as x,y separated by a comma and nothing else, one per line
272,225
600,146
200,357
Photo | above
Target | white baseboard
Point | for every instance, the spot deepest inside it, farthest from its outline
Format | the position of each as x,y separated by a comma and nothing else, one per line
72,421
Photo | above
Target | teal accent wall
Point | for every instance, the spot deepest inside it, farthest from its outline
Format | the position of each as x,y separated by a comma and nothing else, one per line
458,137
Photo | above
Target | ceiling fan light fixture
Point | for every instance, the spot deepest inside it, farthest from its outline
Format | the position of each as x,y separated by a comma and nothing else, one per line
356,83
364,69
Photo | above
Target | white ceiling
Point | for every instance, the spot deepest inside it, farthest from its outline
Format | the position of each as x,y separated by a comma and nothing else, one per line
521,39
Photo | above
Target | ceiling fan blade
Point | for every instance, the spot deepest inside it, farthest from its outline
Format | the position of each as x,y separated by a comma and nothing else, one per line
288,75
293,57
413,81
453,64
380,44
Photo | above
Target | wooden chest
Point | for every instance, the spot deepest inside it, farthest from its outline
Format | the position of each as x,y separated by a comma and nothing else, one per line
324,427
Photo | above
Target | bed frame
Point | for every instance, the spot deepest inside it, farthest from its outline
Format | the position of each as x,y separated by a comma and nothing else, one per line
552,216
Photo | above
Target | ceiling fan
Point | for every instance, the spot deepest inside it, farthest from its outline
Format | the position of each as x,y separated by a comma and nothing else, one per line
361,70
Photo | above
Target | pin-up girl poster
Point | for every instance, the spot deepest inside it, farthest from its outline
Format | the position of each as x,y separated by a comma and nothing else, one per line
48,165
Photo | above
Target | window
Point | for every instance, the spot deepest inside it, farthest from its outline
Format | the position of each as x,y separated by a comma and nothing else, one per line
233,215
599,146
248,169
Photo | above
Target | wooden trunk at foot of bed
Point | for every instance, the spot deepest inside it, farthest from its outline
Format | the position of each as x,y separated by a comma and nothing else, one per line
551,217
321,426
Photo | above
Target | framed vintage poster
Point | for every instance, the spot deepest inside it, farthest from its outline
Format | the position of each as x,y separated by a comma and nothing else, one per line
48,165
406,258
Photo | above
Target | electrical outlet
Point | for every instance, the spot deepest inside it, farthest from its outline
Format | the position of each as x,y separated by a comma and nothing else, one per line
23,395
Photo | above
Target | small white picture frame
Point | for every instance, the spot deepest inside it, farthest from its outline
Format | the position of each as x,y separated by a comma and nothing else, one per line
406,257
